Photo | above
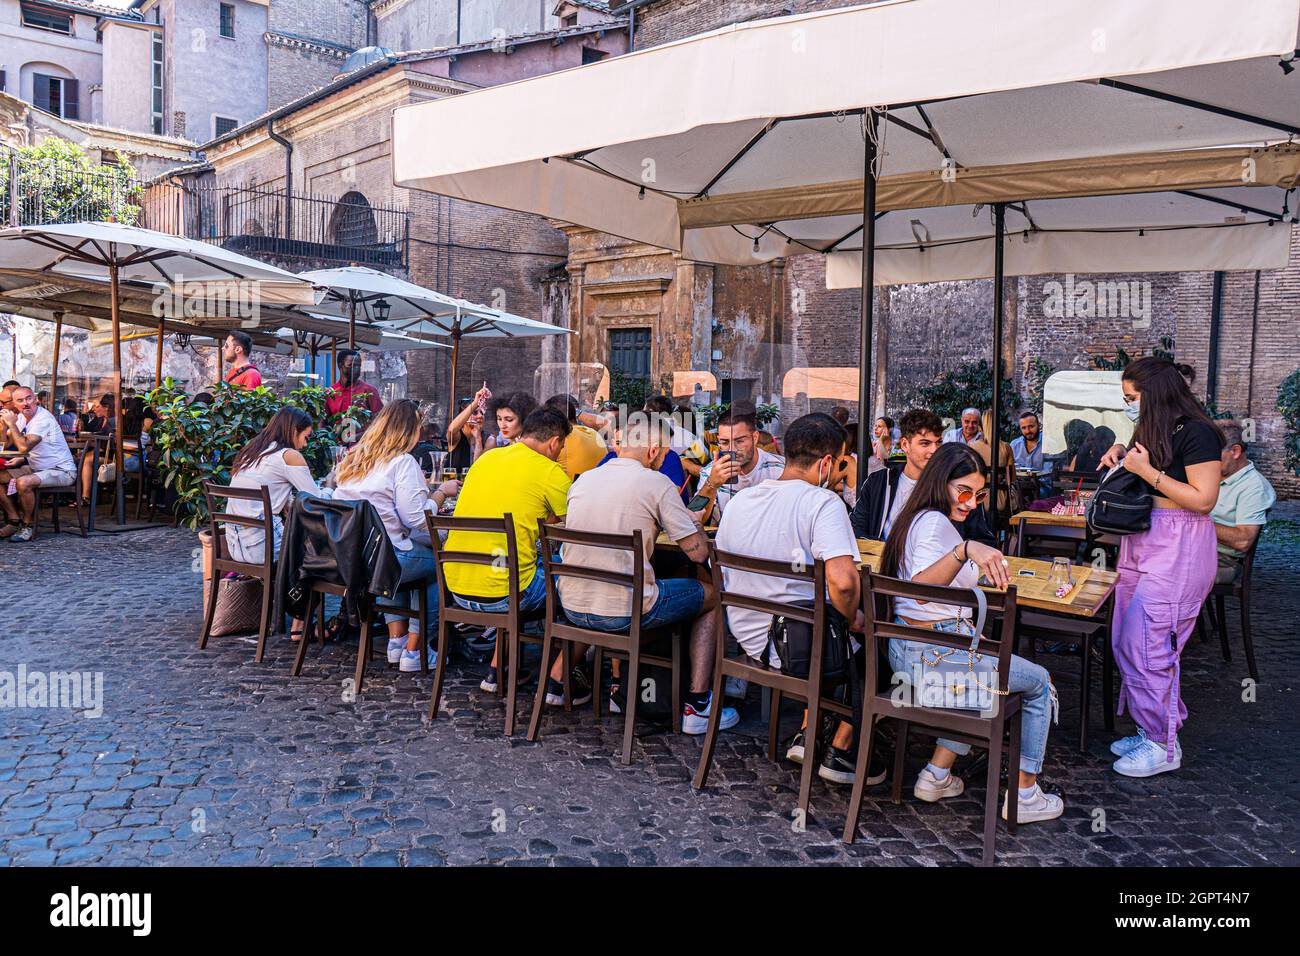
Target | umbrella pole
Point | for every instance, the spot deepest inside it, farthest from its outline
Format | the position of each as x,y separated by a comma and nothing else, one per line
54,376
867,331
115,313
221,374
999,229
157,362
452,410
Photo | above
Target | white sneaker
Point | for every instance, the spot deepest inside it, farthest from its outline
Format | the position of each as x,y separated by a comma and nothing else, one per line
1122,746
410,662
931,789
1148,759
395,647
25,533
1039,807
697,721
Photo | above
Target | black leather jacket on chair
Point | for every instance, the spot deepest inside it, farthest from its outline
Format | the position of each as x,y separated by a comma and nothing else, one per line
339,542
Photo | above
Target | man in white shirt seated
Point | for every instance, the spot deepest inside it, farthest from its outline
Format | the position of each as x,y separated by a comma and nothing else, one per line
37,435
1245,497
795,517
740,464
968,431
626,494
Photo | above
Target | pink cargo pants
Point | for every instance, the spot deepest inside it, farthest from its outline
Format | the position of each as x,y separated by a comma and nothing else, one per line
1165,574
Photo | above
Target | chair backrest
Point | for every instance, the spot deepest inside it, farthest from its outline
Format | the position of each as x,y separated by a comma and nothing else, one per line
1248,562
1069,480
217,518
553,536
815,574
878,592
504,525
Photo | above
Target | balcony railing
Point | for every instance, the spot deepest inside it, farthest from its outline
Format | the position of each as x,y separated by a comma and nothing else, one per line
259,222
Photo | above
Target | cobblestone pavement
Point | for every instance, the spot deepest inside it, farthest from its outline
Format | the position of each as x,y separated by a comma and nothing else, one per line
208,758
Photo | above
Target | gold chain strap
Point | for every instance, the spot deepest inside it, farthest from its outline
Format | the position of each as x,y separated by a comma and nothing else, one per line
939,658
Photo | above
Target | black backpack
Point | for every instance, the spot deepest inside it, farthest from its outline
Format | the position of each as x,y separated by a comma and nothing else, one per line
1120,505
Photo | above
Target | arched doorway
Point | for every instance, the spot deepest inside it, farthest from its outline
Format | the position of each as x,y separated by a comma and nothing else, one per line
353,223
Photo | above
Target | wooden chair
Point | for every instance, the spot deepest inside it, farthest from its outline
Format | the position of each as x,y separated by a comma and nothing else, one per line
808,689
509,623
1044,540
962,725
143,478
222,561
1239,589
55,494
629,646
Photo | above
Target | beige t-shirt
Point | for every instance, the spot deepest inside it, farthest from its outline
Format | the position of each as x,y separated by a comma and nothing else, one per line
618,498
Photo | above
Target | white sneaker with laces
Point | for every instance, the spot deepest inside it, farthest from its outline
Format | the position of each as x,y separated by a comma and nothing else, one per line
1122,746
1039,807
931,789
1148,759
410,660
697,721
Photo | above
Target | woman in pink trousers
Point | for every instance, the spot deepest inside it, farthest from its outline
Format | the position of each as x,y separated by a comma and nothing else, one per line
1165,573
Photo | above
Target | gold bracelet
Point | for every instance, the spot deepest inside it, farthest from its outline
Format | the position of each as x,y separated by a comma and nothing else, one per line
1156,483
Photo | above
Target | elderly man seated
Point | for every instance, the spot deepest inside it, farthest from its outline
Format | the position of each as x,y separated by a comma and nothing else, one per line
36,434
1245,497
968,431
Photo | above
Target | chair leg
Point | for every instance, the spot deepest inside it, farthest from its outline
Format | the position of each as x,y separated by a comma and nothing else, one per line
860,776
774,728
210,612
439,669
566,668
539,699
1108,681
1221,623
363,652
421,621
711,731
677,637
54,511
76,508
809,754
1200,624
512,678
1248,639
629,720
315,602
265,624
598,679
900,755
320,614
1013,770
994,778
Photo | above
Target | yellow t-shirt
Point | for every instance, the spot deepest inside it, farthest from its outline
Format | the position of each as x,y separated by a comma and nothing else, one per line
582,451
515,480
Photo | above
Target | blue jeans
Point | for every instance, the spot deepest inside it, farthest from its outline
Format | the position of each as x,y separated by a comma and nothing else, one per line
418,565
680,599
1026,678
530,599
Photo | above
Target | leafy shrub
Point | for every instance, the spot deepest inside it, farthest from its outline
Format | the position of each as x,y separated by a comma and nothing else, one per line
1288,403
969,386
198,443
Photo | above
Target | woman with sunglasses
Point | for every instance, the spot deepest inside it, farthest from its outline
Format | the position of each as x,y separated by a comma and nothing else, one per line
925,546
1166,572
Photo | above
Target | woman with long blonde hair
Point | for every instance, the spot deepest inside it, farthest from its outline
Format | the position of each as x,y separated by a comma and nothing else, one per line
381,470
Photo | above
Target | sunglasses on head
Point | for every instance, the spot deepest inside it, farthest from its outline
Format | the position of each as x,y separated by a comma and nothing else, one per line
979,497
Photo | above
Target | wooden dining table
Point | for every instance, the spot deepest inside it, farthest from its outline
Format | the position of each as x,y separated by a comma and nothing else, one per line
1088,598
1046,517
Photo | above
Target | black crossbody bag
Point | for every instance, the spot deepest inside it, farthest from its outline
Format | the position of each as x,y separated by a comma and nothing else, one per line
1122,503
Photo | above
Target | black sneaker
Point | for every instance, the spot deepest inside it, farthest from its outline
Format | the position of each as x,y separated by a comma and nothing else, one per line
579,689
489,683
794,752
840,766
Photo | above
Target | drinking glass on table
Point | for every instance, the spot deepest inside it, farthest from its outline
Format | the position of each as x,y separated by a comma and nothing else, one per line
1060,574
439,459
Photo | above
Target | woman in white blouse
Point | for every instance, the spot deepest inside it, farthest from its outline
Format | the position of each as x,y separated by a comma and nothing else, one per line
924,545
381,470
272,460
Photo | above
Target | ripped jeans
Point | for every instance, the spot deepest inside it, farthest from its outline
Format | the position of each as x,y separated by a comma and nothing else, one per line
1032,682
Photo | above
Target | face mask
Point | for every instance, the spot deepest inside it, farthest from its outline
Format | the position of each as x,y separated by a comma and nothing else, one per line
1132,411
823,481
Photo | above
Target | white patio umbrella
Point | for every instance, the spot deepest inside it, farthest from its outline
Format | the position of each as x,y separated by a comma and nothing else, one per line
738,135
118,253
397,306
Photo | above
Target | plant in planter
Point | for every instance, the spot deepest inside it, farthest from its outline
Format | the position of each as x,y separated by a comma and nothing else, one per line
198,443
969,386
1288,403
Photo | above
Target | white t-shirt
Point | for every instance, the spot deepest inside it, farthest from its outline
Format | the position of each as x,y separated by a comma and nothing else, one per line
766,465
780,521
398,491
901,494
52,451
932,537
